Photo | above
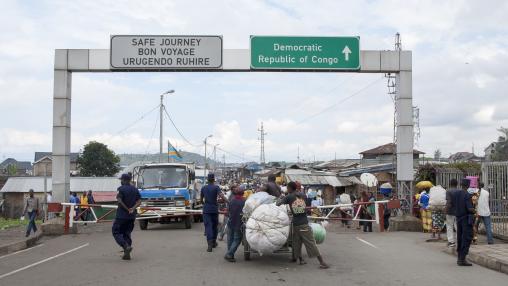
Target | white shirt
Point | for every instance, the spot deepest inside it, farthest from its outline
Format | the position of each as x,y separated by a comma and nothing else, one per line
483,203
49,198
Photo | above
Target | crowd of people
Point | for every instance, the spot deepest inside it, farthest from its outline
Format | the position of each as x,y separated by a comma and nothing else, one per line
459,210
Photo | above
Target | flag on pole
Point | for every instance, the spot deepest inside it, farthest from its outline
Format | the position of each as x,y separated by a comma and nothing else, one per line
173,153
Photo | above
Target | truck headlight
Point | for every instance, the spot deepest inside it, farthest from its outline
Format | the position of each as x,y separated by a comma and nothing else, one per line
180,203
143,204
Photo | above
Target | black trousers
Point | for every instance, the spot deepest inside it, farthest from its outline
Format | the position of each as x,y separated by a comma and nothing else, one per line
122,229
464,236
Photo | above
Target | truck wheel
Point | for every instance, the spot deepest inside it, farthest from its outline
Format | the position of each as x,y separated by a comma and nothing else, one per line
143,224
188,222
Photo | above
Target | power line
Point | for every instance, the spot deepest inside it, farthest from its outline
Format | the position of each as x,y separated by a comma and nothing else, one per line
151,136
178,130
341,101
137,120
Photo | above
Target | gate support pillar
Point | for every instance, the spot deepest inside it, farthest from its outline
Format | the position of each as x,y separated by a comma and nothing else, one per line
61,127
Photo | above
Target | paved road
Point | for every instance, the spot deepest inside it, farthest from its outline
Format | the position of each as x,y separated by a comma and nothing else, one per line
166,255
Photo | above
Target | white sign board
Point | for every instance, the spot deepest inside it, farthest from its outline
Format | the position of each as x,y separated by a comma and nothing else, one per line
165,52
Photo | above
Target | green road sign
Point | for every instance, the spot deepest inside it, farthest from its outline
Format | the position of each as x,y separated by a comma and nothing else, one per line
287,52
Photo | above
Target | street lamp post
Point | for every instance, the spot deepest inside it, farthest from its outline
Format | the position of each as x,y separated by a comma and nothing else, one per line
215,158
161,107
206,160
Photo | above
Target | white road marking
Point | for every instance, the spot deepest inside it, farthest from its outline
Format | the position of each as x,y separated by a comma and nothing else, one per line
11,254
366,242
42,261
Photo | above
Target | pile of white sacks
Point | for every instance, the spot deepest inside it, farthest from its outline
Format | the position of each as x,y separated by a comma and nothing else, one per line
267,227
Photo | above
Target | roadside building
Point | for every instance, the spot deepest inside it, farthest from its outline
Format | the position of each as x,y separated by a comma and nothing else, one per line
489,151
15,190
43,164
327,182
461,157
385,154
13,167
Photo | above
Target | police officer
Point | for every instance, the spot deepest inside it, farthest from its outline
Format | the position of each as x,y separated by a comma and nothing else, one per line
129,199
464,212
209,194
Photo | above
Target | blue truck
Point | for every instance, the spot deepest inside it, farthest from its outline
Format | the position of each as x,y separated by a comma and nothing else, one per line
167,193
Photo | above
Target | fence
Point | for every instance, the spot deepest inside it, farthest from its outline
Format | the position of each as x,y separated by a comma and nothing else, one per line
495,177
445,174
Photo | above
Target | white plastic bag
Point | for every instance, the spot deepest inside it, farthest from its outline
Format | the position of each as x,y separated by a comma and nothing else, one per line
437,197
22,217
267,229
256,200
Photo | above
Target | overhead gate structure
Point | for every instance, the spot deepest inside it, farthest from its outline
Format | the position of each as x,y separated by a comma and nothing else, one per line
68,61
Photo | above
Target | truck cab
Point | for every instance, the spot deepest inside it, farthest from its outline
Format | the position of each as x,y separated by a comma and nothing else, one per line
167,193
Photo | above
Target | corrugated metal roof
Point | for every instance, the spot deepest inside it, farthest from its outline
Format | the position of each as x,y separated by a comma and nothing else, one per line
78,184
297,172
307,179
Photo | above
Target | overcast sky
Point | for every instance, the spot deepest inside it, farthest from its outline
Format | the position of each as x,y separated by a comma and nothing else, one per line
460,77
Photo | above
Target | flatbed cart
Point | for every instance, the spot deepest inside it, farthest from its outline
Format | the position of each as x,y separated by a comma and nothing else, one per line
248,251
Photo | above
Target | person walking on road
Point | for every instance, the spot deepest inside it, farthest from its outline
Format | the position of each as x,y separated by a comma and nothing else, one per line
451,223
302,233
235,223
31,209
483,212
129,199
74,199
464,212
209,194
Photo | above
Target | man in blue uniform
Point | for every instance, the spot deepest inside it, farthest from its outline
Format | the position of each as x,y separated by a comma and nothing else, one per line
209,194
464,212
129,199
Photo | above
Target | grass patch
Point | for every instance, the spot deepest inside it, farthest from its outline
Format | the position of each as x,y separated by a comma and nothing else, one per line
6,223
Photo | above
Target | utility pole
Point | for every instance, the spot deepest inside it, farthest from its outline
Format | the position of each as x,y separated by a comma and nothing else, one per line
215,157
206,159
298,155
262,139
161,128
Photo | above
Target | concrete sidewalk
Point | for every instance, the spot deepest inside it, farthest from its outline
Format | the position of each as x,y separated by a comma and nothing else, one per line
494,256
13,239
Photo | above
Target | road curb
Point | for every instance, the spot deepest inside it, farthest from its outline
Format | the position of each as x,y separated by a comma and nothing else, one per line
19,245
483,260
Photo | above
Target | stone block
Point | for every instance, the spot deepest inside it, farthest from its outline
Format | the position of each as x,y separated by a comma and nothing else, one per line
405,223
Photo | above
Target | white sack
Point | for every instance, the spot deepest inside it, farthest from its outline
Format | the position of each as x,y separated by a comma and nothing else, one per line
437,196
267,229
255,200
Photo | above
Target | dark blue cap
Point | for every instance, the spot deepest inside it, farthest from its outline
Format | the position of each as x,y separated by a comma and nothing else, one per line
465,183
126,177
211,177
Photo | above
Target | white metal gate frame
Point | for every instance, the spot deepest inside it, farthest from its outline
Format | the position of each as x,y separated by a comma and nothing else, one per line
144,212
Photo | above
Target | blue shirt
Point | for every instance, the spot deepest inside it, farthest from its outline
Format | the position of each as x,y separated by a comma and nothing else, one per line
209,194
424,201
129,196
235,212
74,200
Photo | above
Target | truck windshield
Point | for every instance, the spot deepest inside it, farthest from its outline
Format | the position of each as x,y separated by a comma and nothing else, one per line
163,177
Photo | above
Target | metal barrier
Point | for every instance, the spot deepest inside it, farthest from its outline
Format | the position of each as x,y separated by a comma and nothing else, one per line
495,176
76,211
379,207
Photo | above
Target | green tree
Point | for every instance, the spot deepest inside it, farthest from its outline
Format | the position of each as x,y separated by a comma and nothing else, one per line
97,160
501,148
